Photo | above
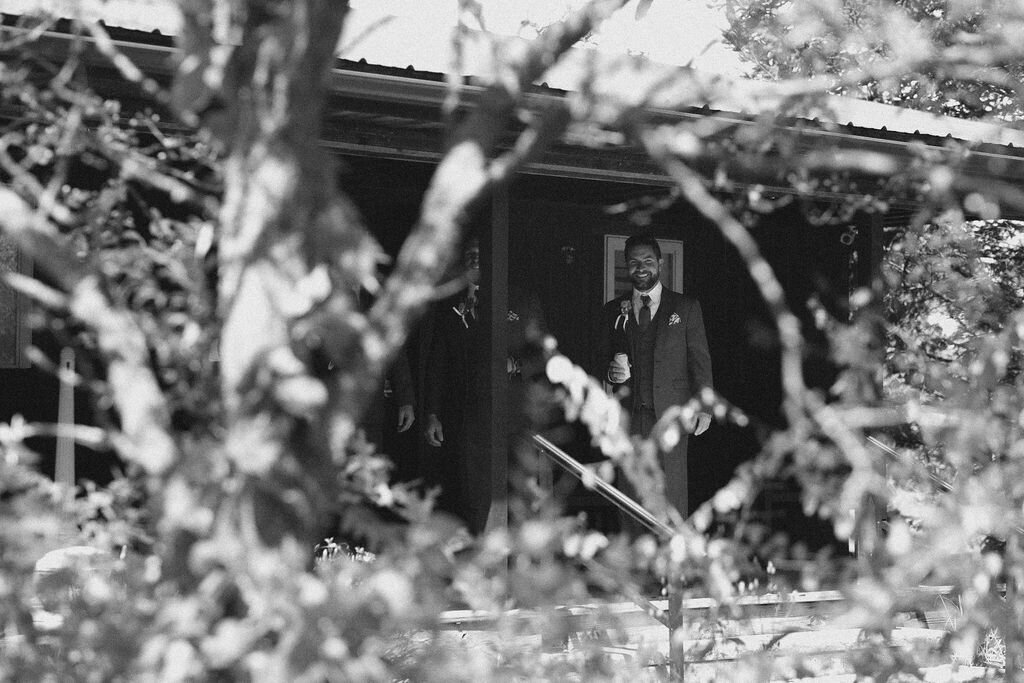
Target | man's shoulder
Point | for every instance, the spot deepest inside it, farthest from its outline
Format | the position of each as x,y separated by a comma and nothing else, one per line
675,299
615,304
445,313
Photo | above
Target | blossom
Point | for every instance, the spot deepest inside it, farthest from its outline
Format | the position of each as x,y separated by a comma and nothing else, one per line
624,305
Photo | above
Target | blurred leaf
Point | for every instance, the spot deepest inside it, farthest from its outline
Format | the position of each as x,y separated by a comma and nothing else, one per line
642,8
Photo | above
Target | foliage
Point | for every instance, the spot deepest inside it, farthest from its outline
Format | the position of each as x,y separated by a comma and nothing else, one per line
938,56
954,357
132,202
195,244
954,286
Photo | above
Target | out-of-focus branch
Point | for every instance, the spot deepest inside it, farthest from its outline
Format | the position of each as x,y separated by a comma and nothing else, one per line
466,173
530,144
281,212
544,51
799,403
36,291
143,169
454,75
378,24
145,419
91,437
633,84
658,142
132,73
26,182
28,36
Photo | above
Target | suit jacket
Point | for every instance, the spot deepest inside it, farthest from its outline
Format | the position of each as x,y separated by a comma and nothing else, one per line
399,381
682,362
458,362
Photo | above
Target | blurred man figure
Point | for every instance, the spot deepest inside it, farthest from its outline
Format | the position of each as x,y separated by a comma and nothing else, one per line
457,389
455,400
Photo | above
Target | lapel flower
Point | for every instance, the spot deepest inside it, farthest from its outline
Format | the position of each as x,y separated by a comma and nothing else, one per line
460,311
673,319
624,306
512,316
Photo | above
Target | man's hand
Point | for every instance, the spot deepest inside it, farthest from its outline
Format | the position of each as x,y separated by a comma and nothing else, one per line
435,434
406,416
703,422
616,373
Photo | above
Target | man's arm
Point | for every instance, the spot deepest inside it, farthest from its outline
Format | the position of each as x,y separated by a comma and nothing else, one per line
436,376
400,376
612,341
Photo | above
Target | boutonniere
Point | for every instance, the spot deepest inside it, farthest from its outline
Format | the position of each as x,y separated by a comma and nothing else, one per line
624,306
673,319
460,311
512,316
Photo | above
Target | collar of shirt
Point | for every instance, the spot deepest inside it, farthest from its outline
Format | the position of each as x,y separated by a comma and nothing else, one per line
654,293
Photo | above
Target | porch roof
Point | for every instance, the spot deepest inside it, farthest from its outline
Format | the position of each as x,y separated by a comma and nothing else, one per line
392,112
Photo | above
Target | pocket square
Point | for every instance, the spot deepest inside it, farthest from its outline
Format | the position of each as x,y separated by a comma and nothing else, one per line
673,319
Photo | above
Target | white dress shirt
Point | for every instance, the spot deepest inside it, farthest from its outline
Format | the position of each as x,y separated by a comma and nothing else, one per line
654,293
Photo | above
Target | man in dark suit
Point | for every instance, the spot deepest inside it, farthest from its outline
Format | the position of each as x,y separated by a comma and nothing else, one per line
394,403
655,341
457,386
393,407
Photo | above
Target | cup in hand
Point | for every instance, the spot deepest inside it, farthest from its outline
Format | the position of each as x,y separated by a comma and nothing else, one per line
622,361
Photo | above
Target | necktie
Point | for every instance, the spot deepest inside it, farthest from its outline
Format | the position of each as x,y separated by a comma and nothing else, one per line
645,311
471,302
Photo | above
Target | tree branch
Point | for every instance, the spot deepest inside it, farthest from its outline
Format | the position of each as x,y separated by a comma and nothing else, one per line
145,419
658,144
466,174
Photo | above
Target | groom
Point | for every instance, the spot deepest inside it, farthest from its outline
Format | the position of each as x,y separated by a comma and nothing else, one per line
655,341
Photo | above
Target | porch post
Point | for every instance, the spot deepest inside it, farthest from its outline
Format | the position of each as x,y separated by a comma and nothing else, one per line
15,333
676,632
869,252
496,243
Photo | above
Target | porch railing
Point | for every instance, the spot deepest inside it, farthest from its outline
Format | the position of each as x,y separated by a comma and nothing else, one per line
620,500
609,492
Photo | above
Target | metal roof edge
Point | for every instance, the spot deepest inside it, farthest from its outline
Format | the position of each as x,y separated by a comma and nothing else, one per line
413,90
363,81
845,111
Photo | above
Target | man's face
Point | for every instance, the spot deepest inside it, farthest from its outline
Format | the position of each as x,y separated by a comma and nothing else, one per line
643,266
471,260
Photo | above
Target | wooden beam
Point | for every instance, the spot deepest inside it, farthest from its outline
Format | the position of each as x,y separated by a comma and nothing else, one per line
495,243
64,469
15,333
